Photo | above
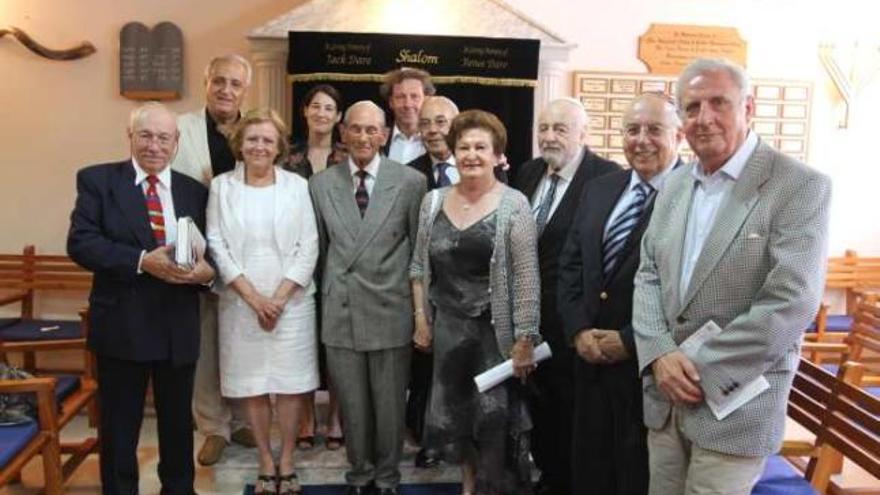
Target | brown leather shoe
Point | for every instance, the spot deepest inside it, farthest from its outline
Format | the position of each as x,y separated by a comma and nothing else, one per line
244,437
211,450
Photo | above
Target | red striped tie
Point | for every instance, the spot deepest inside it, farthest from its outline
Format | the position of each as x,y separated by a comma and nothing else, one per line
154,210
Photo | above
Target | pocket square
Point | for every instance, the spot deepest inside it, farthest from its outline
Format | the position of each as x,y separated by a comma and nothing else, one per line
754,235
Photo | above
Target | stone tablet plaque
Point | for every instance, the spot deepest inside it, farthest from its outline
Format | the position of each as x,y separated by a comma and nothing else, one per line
782,110
151,61
668,48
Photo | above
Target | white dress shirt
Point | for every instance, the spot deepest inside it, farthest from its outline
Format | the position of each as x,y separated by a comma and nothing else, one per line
372,169
566,173
451,170
710,191
629,196
405,149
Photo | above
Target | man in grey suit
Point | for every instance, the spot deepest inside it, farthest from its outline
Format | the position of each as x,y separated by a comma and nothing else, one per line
739,239
367,214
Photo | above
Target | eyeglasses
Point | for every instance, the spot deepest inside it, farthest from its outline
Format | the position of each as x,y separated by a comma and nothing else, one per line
369,130
146,137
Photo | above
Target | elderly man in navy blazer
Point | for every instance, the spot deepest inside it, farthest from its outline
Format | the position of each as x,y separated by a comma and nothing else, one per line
144,308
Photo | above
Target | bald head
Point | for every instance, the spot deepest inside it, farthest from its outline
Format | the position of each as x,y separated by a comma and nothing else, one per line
435,118
364,132
365,107
152,130
652,134
562,129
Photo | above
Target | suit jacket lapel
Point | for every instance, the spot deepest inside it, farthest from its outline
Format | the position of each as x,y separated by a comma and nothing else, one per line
531,182
343,198
730,217
384,195
681,194
133,204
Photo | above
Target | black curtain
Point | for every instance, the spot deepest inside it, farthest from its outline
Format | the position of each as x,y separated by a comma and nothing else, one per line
493,74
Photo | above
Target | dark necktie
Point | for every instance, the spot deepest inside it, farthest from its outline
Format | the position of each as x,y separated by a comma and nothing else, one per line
154,211
546,204
361,197
622,227
442,178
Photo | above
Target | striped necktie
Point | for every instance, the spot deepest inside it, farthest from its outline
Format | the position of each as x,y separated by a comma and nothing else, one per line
361,197
623,225
547,203
154,210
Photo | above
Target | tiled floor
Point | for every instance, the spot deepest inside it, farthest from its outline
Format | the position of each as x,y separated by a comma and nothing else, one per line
238,467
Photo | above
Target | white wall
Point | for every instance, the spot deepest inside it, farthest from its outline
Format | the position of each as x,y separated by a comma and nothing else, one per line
56,117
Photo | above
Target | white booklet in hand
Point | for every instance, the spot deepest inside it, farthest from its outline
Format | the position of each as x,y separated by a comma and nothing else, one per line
498,373
743,394
190,243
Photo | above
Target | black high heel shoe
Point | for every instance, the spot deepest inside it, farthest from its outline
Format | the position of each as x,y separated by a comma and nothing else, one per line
288,484
267,484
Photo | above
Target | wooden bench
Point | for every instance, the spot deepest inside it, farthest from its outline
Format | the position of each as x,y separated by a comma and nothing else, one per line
855,275
22,277
844,419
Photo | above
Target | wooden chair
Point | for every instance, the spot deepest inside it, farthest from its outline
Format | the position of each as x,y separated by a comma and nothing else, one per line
21,443
22,277
855,275
863,340
844,418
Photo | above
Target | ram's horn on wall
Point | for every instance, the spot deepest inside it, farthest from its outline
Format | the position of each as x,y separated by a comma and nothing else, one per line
83,50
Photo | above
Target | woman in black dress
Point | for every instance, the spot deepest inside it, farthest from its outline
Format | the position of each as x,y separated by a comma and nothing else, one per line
476,292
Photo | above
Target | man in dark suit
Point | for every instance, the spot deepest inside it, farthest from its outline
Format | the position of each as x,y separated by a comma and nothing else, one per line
554,182
597,267
368,212
438,167
144,309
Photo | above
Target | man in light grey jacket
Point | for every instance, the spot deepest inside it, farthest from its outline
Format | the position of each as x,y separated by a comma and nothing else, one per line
367,210
739,239
203,154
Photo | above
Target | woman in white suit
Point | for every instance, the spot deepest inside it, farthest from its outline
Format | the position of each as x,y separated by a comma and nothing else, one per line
263,238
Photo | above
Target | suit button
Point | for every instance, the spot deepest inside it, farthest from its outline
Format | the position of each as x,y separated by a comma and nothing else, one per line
680,320
603,295
344,304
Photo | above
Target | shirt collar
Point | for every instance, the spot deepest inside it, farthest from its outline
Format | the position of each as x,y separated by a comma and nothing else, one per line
736,163
435,162
372,168
397,134
656,182
567,171
140,175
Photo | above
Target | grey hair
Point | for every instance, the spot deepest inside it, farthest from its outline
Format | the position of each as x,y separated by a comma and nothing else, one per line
444,100
574,103
704,65
230,58
140,112
669,107
364,103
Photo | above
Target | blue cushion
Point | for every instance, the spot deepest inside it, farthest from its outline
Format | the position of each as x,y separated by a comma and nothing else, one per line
780,478
831,368
875,391
834,323
14,438
839,323
65,385
25,330
5,322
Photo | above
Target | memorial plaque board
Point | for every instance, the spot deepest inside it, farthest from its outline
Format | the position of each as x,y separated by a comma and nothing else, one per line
151,61
668,48
783,108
